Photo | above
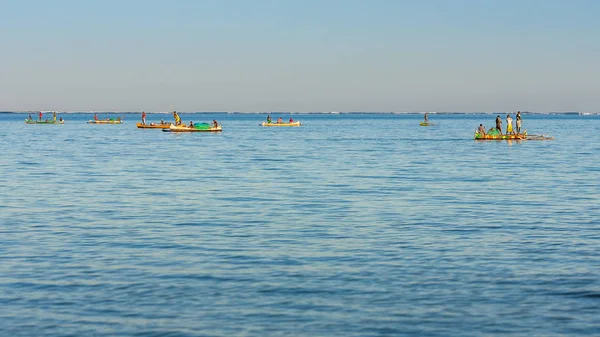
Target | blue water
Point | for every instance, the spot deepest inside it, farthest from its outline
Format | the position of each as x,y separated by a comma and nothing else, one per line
351,225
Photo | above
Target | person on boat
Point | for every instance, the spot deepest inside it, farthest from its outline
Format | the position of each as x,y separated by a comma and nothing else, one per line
509,125
426,117
177,118
499,124
279,120
162,122
60,120
291,120
40,116
269,119
215,123
95,117
191,124
54,116
30,117
481,129
144,117
519,121
118,118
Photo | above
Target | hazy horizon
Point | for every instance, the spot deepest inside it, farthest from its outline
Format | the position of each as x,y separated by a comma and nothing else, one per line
254,56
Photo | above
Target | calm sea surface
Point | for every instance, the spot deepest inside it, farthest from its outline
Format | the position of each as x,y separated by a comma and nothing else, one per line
351,225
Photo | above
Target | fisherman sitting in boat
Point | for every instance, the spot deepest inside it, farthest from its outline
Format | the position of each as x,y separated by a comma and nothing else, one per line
279,120
269,119
191,125
215,123
291,120
481,129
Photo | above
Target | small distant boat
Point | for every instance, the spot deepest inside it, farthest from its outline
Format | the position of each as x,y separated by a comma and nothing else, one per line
32,121
281,124
424,124
198,127
106,121
154,126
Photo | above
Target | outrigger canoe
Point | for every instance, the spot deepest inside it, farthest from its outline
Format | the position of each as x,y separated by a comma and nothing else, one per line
31,121
493,134
110,121
198,127
153,126
281,124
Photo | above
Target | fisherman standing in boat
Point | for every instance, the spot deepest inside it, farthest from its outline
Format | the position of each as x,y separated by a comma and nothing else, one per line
509,125
519,120
40,116
144,117
177,118
499,124
426,118
54,116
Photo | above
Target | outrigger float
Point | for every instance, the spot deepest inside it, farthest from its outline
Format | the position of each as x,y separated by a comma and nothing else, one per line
198,127
494,134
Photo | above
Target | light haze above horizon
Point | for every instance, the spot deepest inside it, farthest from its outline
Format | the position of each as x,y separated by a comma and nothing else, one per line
269,55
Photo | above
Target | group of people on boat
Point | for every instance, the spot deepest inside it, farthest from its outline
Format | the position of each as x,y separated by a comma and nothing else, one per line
96,119
279,120
41,115
178,122
509,125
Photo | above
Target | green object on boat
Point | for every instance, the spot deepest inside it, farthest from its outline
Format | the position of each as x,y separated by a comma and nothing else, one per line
201,126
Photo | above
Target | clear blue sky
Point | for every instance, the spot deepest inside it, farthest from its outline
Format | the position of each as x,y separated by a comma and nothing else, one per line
305,55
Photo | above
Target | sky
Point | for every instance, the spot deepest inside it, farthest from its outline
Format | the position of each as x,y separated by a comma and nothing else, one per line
304,55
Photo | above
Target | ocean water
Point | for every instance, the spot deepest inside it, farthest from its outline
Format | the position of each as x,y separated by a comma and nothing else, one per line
351,225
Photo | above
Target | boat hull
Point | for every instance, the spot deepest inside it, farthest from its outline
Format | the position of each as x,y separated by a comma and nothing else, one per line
153,126
105,122
174,128
479,136
281,124
28,121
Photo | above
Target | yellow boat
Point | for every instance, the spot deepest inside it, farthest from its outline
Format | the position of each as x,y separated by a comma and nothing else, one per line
153,126
281,124
106,121
199,127
494,134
